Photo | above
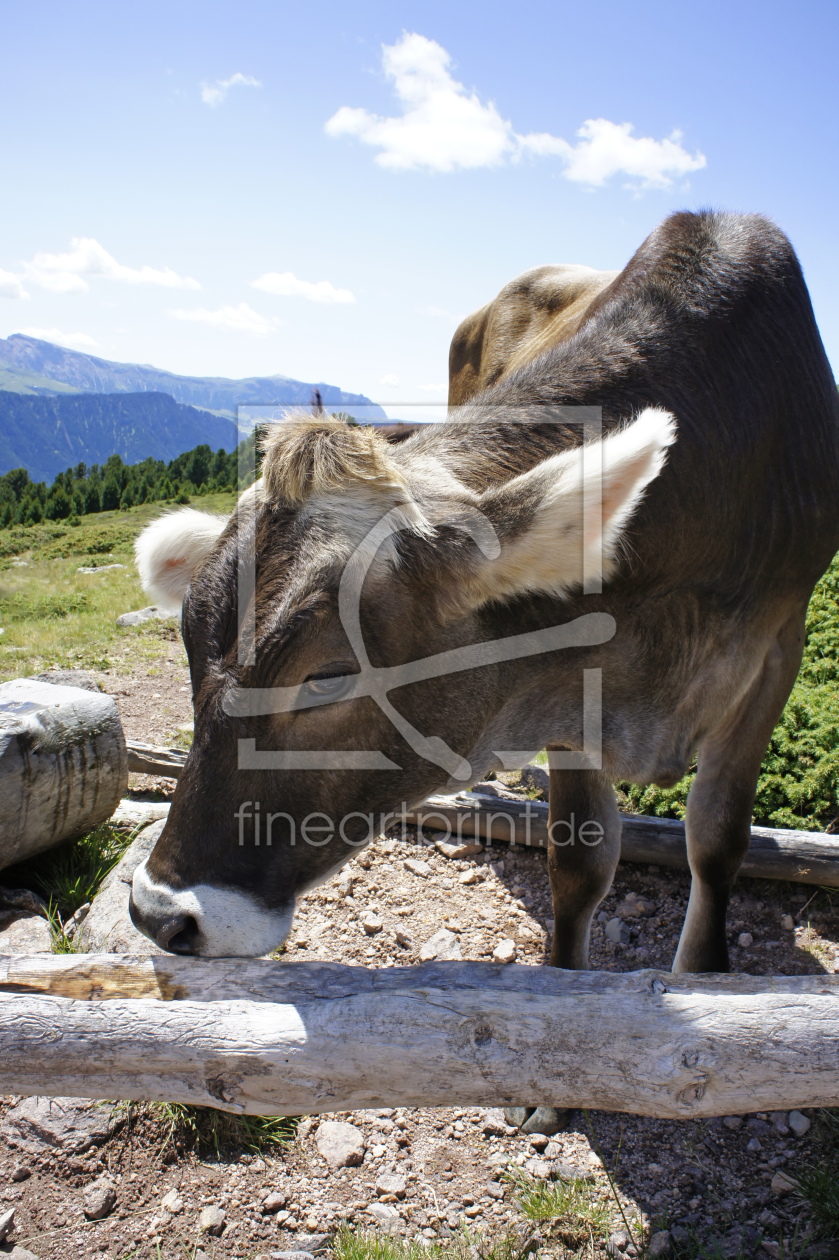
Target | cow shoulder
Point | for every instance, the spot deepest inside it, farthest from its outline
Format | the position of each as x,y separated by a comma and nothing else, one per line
535,311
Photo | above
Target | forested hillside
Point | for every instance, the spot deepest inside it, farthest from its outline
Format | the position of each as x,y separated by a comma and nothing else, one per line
81,490
45,434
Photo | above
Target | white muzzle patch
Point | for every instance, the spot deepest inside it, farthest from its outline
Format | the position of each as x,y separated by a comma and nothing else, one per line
230,923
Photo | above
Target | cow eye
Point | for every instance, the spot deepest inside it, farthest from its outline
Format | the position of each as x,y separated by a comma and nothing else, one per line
328,685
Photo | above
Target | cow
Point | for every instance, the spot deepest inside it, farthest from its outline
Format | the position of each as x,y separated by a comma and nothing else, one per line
408,614
532,313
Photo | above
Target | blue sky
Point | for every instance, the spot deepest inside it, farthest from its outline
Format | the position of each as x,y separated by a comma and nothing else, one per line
324,191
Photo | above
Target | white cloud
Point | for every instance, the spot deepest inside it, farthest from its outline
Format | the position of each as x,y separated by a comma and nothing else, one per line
442,126
445,127
391,381
10,286
213,94
434,389
64,273
286,284
73,341
606,149
241,318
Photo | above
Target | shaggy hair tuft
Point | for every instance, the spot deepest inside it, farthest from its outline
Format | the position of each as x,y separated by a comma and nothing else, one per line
305,456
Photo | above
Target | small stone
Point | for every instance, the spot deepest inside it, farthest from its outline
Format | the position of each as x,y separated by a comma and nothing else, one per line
733,1122
172,1202
371,922
7,1220
273,1203
211,1220
495,1190
345,884
798,1123
536,778
660,1244
618,1243
617,932
570,1172
633,908
340,1144
788,923
403,938
538,1168
391,1183
546,1120
494,1124
754,1146
460,851
442,946
505,951
100,1199
539,1141
21,1172
745,939
417,867
385,1216
782,1184
469,877
779,1119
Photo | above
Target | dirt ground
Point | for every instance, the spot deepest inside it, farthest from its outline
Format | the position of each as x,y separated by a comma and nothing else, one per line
710,1179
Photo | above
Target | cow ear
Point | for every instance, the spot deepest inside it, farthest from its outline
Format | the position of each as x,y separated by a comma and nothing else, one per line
168,552
552,535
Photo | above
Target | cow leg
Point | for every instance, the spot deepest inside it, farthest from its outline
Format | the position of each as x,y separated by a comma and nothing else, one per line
580,871
581,874
721,800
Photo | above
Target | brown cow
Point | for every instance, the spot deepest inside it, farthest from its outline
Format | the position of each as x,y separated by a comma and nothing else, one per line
411,613
532,313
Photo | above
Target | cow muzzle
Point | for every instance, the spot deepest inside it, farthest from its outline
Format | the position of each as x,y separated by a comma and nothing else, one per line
206,920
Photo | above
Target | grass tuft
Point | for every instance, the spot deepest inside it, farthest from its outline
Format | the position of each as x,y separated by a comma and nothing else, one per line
206,1129
819,1181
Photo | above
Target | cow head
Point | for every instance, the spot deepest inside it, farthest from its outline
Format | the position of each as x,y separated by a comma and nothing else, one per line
332,626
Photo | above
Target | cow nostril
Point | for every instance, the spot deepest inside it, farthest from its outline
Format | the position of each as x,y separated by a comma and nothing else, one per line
185,939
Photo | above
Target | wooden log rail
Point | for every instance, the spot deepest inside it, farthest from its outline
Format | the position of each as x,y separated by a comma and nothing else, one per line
295,1038
805,857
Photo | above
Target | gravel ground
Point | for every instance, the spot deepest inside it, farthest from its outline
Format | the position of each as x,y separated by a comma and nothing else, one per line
425,1173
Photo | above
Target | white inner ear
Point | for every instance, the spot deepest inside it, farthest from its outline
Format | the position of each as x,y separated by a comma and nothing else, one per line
168,552
566,542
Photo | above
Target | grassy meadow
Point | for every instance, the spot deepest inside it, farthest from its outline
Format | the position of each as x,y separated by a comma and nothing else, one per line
54,616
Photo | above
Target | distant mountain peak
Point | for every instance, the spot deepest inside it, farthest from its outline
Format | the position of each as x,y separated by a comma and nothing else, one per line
28,365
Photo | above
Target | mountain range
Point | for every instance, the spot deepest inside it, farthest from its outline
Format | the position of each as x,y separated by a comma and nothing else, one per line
132,409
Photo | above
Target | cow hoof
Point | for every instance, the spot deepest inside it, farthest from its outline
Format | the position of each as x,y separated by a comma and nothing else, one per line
547,1120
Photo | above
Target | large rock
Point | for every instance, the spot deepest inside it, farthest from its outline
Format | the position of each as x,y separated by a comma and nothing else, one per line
108,928
49,1125
69,678
24,934
63,764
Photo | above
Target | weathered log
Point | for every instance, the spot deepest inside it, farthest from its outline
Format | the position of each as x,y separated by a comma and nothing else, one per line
267,1038
150,759
805,857
63,764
